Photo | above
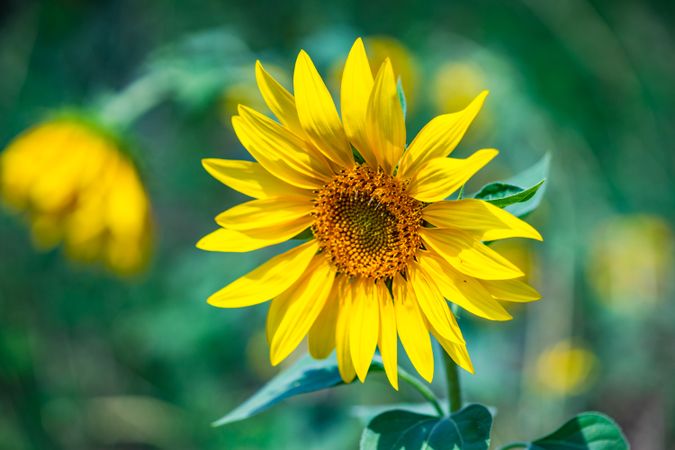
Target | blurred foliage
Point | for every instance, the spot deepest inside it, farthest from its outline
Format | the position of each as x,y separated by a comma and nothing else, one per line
92,361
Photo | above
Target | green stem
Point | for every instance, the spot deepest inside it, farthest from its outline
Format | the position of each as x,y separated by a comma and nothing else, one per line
423,390
453,384
515,445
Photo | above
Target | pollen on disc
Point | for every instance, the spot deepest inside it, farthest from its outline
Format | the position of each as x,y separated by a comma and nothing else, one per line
366,223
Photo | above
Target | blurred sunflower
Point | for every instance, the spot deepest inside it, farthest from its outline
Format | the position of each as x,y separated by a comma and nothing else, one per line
387,249
565,369
75,185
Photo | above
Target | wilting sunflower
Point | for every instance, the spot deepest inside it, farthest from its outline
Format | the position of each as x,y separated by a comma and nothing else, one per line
387,248
75,185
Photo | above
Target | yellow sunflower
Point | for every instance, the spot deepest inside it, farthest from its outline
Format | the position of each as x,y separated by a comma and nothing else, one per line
75,185
387,248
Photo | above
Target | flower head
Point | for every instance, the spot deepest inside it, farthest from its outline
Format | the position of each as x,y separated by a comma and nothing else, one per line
74,185
387,248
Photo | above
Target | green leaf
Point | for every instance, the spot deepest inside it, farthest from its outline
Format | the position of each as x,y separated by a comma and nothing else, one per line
521,194
307,375
502,194
467,429
587,431
401,96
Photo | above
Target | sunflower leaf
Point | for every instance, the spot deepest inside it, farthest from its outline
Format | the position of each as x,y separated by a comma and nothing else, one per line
521,194
586,431
467,429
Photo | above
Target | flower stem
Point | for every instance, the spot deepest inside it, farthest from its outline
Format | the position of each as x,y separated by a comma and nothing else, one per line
453,385
423,390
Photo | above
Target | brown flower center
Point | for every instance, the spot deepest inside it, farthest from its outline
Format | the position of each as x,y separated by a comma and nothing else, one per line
366,223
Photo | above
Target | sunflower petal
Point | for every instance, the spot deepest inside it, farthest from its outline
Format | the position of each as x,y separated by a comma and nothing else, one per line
364,326
511,290
480,218
466,292
433,305
384,119
249,178
387,341
457,352
317,113
342,327
266,213
412,329
321,337
268,280
225,240
437,178
357,83
278,100
280,154
439,137
299,306
468,255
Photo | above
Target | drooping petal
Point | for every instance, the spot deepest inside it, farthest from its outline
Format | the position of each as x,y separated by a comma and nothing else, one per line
321,337
468,255
298,307
225,240
465,291
437,178
387,341
433,305
249,178
357,83
278,100
364,326
342,339
511,290
266,213
384,118
457,352
288,162
480,218
412,329
439,137
268,280
317,113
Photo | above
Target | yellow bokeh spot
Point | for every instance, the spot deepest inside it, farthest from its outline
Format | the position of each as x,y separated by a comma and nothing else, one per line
74,185
565,369
455,85
630,261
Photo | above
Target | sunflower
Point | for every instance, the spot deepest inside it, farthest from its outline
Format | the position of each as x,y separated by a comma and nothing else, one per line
387,248
74,184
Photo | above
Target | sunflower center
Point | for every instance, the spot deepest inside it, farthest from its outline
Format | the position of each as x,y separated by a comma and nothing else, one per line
366,223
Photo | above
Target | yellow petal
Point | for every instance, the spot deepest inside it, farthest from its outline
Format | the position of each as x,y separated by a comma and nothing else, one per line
267,213
278,100
439,137
280,154
384,118
321,337
511,290
457,352
343,325
480,218
249,178
412,329
387,341
364,326
299,307
433,305
468,255
461,289
317,113
438,178
268,280
225,240
357,83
